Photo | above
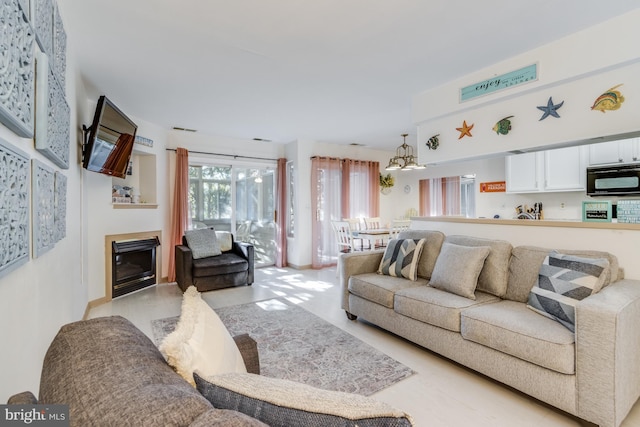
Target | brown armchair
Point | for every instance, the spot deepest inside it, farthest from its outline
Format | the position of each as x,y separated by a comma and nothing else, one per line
234,267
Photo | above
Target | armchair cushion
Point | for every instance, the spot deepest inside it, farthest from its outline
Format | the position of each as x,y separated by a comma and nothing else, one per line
202,242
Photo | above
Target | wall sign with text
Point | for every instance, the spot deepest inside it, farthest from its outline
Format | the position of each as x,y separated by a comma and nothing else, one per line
504,81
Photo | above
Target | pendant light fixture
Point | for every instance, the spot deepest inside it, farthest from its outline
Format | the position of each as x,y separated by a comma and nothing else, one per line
404,158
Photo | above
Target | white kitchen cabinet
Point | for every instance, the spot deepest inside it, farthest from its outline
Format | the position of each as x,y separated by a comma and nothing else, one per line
523,173
621,151
561,169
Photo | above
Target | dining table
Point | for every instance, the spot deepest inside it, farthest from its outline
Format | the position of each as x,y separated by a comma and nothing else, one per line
373,235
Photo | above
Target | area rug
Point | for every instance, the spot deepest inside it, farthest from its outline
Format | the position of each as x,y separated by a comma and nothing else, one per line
295,344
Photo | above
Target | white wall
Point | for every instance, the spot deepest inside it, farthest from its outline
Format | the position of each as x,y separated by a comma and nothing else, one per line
576,70
46,292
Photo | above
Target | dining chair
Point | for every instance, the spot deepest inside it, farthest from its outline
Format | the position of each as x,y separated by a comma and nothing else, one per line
374,223
398,225
344,236
356,226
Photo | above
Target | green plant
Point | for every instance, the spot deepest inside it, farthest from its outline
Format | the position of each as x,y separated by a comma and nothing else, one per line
387,181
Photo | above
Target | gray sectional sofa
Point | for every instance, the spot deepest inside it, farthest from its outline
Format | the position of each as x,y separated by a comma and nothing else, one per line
592,373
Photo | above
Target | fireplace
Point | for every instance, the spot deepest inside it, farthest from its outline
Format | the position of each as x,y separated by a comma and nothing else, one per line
133,265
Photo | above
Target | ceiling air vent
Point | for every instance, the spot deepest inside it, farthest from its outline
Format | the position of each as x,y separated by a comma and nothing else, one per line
184,129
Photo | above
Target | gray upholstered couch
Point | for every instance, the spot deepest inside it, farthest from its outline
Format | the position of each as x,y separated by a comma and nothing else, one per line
593,373
111,374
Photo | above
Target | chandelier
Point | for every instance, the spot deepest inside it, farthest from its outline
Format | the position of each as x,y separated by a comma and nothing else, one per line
404,158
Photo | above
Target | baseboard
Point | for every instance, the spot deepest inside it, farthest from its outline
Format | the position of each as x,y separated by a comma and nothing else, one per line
299,267
92,304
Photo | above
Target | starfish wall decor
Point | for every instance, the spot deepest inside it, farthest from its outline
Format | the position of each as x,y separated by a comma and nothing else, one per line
550,109
465,130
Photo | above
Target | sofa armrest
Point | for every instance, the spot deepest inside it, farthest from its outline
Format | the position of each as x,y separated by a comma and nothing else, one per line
246,251
184,266
350,264
249,350
607,349
24,398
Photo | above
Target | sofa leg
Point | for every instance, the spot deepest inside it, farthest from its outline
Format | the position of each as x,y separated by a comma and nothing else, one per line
351,316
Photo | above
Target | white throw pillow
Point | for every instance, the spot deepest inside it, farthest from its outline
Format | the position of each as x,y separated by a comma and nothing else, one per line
200,341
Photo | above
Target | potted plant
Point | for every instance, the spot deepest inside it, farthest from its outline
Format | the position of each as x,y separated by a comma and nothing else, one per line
386,182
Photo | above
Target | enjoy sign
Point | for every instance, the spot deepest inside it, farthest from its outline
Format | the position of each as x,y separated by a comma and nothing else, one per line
513,78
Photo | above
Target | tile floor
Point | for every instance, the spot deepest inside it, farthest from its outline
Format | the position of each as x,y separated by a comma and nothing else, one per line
440,394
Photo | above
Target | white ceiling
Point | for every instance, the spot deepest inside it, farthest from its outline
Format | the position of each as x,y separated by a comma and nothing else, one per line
340,71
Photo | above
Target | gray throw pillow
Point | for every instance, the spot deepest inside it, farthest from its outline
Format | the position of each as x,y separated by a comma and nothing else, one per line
202,242
279,402
563,281
457,269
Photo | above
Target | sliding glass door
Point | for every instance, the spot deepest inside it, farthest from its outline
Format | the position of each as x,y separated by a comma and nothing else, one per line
236,199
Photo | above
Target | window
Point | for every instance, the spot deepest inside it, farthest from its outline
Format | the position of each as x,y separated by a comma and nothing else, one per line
210,199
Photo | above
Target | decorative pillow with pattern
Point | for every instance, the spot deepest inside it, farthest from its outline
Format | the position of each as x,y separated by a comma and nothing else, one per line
202,242
564,280
401,258
279,402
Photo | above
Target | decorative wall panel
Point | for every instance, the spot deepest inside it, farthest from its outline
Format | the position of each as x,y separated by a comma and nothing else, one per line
59,50
52,115
60,203
16,69
42,20
14,207
43,207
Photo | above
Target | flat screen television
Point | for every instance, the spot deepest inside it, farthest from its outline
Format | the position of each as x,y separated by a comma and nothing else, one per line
110,140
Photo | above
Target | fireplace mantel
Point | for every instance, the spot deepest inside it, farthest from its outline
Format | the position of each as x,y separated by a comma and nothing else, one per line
109,239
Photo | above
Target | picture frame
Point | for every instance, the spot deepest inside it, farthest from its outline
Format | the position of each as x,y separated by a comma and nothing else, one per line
42,207
597,211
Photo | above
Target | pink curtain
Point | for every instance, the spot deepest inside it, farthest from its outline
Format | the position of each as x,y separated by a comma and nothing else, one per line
180,211
424,198
281,213
360,188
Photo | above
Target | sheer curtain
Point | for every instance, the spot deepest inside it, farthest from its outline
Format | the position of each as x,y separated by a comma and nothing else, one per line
360,188
180,211
281,215
439,196
326,200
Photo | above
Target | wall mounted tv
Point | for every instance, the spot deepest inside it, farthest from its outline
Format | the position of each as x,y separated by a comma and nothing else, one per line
109,141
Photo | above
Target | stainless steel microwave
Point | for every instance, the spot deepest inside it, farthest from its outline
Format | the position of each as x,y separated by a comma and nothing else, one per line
614,180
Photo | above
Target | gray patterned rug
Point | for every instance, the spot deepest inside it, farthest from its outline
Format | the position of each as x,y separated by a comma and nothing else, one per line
295,344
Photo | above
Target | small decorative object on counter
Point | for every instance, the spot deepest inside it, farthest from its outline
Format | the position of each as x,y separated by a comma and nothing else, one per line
503,126
610,100
433,142
628,211
600,211
524,212
550,109
465,130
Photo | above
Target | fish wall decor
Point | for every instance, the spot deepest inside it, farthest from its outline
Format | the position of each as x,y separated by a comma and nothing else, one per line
433,142
610,100
503,126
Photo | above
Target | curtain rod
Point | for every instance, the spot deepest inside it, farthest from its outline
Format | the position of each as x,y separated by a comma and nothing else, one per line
235,156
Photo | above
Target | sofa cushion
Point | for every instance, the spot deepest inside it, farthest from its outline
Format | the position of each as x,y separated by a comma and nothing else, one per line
107,371
510,327
495,273
525,265
200,341
401,258
226,263
430,250
378,288
279,402
225,418
225,240
457,269
202,242
436,307
562,282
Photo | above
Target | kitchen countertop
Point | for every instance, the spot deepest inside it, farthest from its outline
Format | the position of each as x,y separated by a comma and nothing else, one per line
531,223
